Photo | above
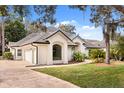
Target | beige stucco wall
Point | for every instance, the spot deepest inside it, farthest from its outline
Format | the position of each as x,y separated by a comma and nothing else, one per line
70,52
27,48
15,54
61,40
24,49
34,54
42,53
80,47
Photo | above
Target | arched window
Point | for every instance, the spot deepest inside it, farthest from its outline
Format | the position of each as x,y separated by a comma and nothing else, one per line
57,52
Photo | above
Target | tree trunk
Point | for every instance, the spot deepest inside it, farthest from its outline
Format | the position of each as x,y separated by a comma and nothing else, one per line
107,42
108,51
3,38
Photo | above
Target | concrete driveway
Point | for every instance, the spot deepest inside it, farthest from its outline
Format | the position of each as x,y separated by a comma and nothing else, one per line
14,74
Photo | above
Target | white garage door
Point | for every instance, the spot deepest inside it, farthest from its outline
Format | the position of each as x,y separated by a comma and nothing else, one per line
28,56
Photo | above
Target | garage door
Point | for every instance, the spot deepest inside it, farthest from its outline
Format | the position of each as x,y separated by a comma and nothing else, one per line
28,56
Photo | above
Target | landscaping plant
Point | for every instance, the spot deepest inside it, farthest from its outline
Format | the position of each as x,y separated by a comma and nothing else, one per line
117,50
7,55
78,56
97,55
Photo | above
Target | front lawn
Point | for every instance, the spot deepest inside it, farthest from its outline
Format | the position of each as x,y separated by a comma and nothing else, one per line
89,75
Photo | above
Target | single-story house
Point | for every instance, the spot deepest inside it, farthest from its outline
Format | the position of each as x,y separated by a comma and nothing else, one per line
51,47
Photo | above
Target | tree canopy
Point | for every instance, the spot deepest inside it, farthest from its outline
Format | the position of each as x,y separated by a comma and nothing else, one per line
14,31
67,27
120,45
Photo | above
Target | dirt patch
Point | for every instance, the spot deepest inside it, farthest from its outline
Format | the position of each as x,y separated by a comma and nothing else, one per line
104,64
119,63
115,63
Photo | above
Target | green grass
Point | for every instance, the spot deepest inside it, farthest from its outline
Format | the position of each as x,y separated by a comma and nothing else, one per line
89,75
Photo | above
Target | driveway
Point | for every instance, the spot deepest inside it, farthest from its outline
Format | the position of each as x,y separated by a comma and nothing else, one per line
14,74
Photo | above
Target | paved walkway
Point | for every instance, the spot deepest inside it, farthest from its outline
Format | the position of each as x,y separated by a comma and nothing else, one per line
14,74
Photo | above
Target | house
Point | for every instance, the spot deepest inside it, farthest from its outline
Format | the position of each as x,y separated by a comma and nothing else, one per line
51,47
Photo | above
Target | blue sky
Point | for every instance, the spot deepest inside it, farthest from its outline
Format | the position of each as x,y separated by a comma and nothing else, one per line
80,19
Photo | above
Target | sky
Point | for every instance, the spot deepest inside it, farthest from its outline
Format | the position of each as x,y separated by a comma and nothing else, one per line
80,19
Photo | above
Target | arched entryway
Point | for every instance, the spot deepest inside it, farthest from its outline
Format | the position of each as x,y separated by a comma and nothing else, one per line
57,52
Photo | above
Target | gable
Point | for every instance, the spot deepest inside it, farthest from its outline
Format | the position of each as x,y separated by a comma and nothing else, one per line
59,36
61,33
77,39
58,31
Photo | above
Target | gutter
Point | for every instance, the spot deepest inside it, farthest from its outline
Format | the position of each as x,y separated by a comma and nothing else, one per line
36,52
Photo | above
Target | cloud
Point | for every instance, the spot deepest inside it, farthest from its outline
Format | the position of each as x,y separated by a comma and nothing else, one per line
88,27
72,22
85,31
86,35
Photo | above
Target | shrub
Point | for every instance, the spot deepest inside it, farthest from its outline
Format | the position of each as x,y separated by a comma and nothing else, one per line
78,56
116,53
7,55
117,49
97,55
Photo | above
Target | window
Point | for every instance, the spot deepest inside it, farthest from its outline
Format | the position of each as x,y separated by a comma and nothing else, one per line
19,51
56,52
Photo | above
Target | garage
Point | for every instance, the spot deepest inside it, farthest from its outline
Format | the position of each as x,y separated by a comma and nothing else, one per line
28,56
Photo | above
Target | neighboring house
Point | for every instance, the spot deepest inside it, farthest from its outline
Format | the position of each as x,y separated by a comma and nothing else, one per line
51,47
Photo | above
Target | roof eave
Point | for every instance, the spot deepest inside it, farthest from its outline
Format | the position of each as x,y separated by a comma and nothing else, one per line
41,42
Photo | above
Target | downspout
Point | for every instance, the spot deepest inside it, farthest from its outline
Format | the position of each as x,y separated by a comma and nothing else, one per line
36,52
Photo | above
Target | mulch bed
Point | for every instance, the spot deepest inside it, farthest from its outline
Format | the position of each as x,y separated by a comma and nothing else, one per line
104,64
73,62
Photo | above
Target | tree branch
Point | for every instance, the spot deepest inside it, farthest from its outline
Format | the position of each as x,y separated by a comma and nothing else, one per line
120,8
